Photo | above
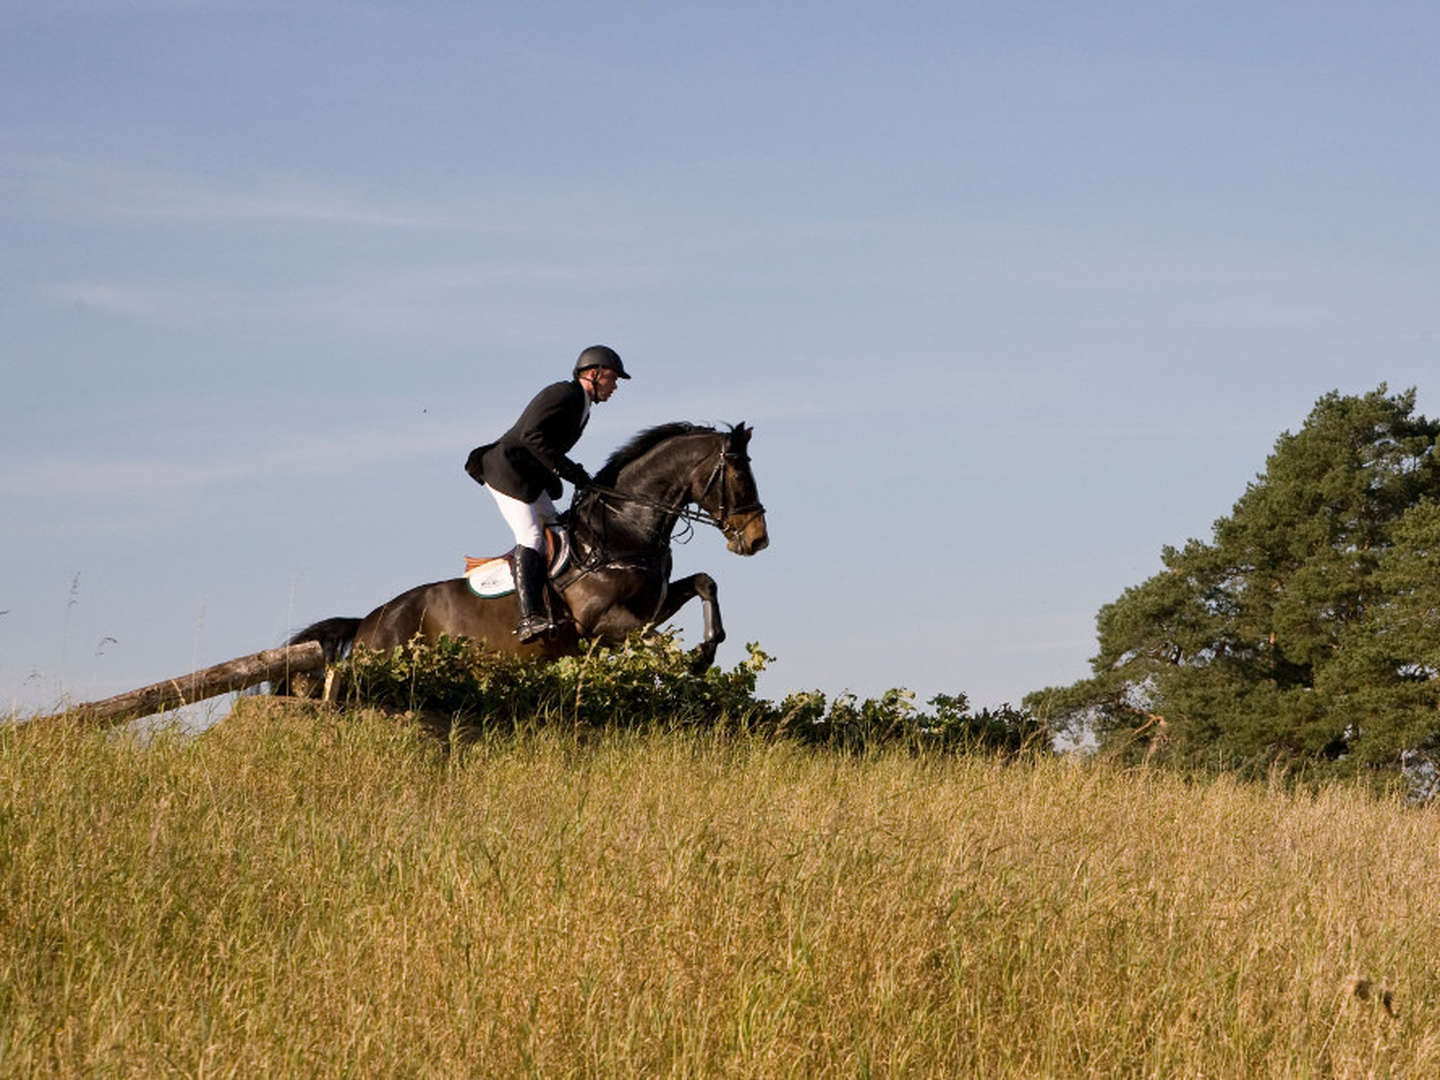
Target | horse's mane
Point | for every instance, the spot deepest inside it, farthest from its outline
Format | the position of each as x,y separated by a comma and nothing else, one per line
643,443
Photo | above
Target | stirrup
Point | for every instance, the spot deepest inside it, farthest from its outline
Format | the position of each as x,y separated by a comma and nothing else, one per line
532,627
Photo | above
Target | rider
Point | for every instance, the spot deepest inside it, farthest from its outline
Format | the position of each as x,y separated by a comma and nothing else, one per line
524,467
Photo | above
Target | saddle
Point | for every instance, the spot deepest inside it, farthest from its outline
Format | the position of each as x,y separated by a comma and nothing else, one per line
494,576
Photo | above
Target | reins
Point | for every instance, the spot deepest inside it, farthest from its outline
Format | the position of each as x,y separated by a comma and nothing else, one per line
682,510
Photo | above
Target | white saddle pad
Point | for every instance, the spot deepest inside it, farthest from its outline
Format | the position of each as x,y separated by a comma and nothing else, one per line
494,577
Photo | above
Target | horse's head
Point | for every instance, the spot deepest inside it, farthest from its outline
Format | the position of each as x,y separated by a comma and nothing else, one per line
647,484
724,487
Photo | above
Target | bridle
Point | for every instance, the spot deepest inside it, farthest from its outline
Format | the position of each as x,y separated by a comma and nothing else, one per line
720,518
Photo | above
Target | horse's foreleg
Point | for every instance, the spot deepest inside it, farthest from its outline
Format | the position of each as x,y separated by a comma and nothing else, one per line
677,595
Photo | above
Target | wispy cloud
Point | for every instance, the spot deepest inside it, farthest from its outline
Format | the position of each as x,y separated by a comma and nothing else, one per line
78,189
507,302
58,8
322,455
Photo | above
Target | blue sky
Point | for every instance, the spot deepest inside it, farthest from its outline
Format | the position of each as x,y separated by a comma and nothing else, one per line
1012,294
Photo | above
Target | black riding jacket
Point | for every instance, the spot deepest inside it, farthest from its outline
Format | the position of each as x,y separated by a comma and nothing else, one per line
530,457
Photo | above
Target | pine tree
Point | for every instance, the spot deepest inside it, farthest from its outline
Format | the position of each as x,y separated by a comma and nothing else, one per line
1307,631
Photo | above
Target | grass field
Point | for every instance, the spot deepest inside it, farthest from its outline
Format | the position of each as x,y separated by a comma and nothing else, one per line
295,894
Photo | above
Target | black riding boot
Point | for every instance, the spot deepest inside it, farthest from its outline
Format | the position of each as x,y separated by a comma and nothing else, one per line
530,575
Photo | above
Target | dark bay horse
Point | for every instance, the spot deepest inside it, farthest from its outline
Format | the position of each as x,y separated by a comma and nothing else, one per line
619,578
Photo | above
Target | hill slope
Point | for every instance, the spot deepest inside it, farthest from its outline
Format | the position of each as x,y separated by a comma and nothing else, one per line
302,894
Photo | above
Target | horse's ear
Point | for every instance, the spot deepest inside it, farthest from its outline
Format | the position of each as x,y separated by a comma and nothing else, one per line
741,435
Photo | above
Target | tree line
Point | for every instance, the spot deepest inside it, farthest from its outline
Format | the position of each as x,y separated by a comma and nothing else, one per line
1305,633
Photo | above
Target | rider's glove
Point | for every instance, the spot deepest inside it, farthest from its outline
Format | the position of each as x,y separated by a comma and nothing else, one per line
577,475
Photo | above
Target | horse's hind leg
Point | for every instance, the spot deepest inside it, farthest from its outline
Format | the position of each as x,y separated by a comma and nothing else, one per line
677,595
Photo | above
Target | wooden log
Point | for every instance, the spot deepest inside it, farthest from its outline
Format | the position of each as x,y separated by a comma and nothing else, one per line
237,674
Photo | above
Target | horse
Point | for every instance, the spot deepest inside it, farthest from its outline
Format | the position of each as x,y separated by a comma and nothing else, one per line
620,531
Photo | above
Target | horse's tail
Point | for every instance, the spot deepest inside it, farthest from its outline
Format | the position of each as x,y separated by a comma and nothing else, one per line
335,636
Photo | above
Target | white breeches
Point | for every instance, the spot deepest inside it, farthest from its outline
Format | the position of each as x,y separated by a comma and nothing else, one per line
526,520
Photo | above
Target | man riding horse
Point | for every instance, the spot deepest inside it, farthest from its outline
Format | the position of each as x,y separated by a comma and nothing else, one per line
525,466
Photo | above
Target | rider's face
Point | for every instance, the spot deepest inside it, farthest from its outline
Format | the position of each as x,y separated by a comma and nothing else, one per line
602,383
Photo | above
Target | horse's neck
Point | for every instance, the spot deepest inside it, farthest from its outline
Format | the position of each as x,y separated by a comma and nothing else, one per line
660,483
667,486
651,517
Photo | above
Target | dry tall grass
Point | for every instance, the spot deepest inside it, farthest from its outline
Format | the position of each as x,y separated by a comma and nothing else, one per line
297,896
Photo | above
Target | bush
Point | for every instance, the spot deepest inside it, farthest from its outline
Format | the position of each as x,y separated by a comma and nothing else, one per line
454,685
852,723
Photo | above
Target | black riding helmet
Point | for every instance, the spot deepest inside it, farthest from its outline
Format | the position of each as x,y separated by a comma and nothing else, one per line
601,356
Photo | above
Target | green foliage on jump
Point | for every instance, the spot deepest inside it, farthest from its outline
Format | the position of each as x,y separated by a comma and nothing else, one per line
1306,633
455,685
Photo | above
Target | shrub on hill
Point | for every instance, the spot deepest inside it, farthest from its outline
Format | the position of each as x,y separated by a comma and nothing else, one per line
455,685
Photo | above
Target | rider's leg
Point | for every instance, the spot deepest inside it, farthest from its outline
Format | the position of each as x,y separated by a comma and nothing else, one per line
527,521
529,566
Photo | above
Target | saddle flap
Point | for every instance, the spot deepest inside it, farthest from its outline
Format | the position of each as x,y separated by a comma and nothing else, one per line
494,576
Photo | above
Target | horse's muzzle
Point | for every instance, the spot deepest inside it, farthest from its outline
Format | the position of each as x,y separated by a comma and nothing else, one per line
749,537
